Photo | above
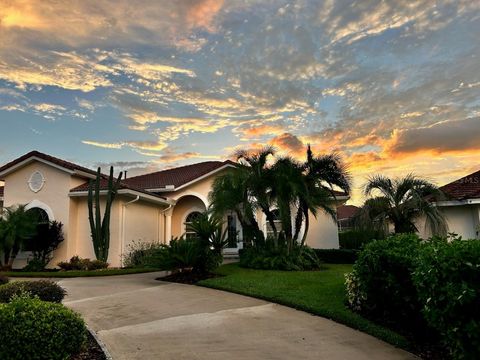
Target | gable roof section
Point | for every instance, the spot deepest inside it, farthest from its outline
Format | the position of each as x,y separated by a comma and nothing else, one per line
173,179
465,188
47,159
347,211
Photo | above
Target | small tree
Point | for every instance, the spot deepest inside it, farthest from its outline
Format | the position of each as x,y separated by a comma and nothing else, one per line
100,228
47,239
16,226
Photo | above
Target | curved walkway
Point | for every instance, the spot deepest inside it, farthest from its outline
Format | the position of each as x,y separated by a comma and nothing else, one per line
138,317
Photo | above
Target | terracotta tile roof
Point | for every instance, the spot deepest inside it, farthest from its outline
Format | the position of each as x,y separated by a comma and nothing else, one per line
65,164
177,176
346,211
467,187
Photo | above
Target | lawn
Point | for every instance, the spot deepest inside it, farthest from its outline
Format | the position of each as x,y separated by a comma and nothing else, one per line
317,292
76,273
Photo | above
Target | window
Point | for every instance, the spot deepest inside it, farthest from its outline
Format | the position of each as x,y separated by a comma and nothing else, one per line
278,224
189,234
36,181
43,225
232,231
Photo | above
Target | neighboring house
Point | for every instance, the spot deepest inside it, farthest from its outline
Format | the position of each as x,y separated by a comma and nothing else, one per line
346,217
461,207
150,208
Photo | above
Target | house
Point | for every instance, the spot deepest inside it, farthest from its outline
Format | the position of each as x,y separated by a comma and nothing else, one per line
461,207
346,216
150,208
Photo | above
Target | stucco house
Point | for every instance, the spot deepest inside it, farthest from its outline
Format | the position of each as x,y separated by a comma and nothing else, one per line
151,208
461,207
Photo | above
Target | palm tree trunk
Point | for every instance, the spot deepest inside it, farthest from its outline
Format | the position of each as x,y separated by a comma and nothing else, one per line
307,225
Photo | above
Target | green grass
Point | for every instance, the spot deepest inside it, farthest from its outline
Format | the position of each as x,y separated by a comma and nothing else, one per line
318,292
76,273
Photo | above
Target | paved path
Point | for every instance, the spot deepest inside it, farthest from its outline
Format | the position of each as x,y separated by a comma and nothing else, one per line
138,317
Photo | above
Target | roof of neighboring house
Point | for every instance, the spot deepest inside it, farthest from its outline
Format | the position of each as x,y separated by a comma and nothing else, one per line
467,187
176,176
347,211
37,154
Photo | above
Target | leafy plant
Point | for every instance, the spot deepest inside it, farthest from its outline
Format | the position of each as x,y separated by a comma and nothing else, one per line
447,279
381,284
181,254
77,263
356,239
100,228
139,253
47,239
44,289
16,226
34,329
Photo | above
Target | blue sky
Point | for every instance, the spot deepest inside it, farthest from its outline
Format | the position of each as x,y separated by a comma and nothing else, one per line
392,86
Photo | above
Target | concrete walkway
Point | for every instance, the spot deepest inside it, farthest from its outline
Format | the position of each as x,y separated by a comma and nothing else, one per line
138,317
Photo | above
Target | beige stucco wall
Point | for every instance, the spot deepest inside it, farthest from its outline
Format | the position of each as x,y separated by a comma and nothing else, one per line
462,220
53,195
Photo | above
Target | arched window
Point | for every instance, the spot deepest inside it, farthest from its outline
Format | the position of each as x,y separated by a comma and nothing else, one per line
40,216
189,234
277,221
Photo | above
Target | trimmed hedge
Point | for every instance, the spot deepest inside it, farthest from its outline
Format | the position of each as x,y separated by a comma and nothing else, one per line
381,284
337,256
45,290
357,239
34,329
448,284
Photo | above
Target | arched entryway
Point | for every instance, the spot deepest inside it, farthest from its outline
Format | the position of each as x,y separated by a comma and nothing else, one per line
186,209
40,216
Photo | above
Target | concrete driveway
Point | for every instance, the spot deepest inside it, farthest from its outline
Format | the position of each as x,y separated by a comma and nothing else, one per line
138,317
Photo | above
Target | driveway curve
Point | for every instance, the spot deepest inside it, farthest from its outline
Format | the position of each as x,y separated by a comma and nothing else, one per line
138,317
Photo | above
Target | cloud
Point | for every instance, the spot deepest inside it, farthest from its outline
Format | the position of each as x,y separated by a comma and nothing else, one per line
442,137
288,143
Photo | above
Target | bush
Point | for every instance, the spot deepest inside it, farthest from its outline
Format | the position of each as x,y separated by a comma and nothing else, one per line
447,279
357,239
381,284
33,329
46,290
35,265
337,256
3,280
139,253
77,263
184,254
269,258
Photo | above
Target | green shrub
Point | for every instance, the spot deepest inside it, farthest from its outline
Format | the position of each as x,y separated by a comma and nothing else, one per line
139,253
77,263
184,254
447,279
3,280
35,265
337,256
357,239
46,290
33,329
269,258
381,284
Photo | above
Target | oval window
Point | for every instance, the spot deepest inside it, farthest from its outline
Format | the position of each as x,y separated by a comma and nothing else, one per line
36,181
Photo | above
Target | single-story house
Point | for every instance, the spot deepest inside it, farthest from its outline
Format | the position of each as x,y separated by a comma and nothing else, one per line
149,208
461,207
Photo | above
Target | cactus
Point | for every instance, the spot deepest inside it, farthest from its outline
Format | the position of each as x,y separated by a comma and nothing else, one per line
99,228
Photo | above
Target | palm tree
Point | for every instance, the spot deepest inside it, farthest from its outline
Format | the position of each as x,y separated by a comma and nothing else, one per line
402,201
16,226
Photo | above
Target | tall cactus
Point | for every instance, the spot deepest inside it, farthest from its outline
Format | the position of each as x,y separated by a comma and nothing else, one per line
99,228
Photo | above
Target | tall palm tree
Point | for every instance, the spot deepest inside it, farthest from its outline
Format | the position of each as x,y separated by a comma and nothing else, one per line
16,226
402,201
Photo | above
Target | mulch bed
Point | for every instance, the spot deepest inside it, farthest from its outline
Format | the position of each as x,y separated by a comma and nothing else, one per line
92,351
187,277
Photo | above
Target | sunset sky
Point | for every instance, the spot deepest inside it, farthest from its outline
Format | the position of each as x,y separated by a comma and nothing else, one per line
393,86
